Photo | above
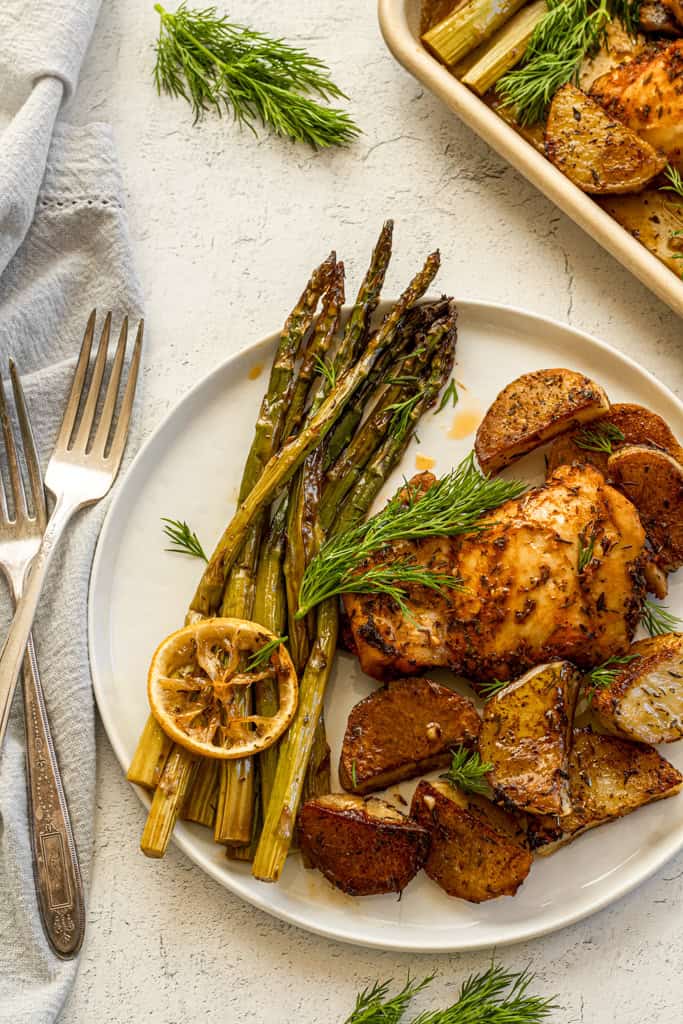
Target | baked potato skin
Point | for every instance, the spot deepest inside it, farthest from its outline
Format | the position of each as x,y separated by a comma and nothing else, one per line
653,481
402,730
608,778
645,700
526,735
594,150
638,425
478,852
364,848
533,409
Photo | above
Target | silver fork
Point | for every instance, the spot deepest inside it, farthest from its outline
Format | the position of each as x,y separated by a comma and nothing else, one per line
82,468
55,861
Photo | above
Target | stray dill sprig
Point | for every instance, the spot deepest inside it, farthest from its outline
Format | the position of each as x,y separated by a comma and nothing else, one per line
326,370
452,505
264,654
495,996
214,63
184,540
468,772
373,1006
449,395
677,255
599,438
586,550
354,773
675,181
492,687
604,675
401,420
657,619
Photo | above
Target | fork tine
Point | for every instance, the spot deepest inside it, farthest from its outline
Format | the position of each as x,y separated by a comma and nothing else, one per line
4,512
100,441
118,443
29,444
20,509
90,407
67,426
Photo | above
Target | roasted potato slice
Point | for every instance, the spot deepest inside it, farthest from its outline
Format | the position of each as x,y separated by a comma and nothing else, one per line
478,851
638,425
653,481
534,409
594,150
526,734
655,218
608,778
402,730
645,700
364,847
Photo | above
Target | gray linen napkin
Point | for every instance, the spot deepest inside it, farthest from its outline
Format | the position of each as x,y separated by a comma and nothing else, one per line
64,249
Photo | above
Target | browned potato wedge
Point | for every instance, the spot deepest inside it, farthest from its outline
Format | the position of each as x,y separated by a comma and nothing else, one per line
402,730
478,851
638,425
525,735
645,700
653,481
653,16
364,847
595,151
534,409
608,778
655,218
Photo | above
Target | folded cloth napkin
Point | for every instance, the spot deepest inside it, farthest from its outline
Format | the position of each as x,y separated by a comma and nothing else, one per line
64,249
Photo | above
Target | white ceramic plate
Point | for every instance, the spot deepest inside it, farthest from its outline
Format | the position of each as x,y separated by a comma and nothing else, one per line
189,469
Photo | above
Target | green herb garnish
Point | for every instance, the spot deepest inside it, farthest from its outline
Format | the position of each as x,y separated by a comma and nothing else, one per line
451,506
468,772
657,619
449,395
599,438
492,687
184,540
675,181
327,371
604,675
264,654
586,551
213,63
402,418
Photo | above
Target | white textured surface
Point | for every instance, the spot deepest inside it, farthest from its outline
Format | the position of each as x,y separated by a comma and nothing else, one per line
225,229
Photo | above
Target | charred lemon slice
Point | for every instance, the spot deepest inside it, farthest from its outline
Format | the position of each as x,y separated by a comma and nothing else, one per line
198,675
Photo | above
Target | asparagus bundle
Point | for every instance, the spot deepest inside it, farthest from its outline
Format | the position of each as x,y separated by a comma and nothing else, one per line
311,439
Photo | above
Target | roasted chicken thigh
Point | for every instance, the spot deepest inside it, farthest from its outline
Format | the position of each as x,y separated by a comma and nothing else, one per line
555,574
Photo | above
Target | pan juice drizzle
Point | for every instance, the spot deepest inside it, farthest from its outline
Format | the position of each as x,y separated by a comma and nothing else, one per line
467,418
256,371
423,462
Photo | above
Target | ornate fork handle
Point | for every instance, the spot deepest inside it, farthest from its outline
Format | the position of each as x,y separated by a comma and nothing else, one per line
55,862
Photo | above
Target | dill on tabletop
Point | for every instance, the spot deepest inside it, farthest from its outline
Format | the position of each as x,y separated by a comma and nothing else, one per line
214,63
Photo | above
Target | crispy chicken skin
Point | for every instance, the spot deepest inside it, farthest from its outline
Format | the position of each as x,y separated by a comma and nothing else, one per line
647,95
364,847
526,735
402,730
478,851
608,778
524,601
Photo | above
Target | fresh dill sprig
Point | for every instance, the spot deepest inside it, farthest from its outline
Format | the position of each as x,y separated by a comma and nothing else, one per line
449,395
263,655
213,63
327,370
354,773
586,550
373,1006
675,181
495,996
492,687
401,419
599,438
452,505
604,675
468,772
657,619
184,540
